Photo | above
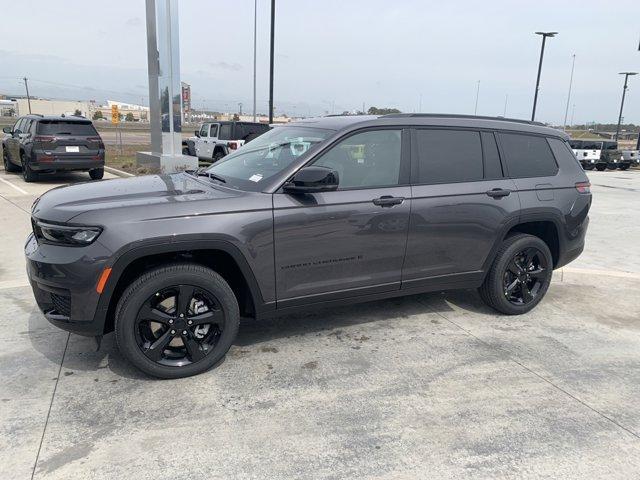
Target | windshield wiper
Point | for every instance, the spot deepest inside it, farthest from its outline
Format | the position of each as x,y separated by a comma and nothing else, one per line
203,173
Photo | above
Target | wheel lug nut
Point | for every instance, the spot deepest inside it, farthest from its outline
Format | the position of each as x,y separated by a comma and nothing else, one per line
181,315
170,320
190,322
184,332
173,332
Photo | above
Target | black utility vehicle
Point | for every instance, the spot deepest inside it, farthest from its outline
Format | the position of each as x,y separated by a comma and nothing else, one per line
39,144
311,214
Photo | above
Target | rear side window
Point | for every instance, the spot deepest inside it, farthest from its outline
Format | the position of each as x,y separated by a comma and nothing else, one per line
527,156
62,127
448,156
563,153
225,132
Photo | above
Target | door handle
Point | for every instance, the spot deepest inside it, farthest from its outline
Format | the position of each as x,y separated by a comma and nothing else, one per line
498,192
388,201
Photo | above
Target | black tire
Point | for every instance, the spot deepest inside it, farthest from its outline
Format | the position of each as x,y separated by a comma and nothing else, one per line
219,155
494,291
8,166
27,174
624,167
601,168
96,173
588,167
175,275
185,151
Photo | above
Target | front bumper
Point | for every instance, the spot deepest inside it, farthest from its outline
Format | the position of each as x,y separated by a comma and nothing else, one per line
63,280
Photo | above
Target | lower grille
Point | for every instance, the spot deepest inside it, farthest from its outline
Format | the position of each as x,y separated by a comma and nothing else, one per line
61,304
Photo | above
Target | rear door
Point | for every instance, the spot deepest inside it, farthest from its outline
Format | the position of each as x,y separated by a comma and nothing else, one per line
332,245
461,203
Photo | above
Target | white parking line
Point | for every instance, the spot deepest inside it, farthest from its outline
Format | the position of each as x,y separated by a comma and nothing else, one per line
24,192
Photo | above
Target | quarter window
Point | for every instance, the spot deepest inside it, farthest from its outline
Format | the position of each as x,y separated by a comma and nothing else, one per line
448,156
367,159
527,156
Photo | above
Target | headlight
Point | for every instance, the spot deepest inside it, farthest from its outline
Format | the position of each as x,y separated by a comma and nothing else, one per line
65,235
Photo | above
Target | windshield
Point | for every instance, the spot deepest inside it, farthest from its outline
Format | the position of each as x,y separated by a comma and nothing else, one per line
255,163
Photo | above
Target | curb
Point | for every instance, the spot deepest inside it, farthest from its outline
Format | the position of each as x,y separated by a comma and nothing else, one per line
117,172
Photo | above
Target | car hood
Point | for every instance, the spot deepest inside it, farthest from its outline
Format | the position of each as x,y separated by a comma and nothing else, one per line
151,194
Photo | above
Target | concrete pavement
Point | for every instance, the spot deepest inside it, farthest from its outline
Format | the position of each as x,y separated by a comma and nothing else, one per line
428,386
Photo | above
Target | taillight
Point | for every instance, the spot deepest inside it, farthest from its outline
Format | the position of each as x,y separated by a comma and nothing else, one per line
232,145
583,187
44,138
97,140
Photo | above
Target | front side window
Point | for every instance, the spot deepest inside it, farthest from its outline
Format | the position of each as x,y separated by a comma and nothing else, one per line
18,125
204,130
252,165
368,159
528,156
448,156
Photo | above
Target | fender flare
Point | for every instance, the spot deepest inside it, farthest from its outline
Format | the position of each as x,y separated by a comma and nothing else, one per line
132,252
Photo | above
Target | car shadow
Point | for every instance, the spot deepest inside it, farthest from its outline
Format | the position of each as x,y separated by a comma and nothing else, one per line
83,355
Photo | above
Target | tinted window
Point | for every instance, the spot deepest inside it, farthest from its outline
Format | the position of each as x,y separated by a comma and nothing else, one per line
368,159
66,127
563,153
577,144
225,132
448,156
214,130
527,155
19,124
492,167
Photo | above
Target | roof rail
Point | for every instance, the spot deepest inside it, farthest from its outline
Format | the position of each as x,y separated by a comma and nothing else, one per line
35,114
446,115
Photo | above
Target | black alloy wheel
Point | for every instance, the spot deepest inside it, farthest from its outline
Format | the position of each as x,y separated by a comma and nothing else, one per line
179,325
176,320
525,276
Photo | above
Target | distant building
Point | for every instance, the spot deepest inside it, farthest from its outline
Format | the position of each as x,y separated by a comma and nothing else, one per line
53,107
8,108
140,112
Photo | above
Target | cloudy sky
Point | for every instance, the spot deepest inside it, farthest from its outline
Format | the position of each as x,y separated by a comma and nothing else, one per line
335,55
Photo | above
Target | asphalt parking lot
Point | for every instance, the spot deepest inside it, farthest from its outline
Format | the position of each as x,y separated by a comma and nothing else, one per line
428,386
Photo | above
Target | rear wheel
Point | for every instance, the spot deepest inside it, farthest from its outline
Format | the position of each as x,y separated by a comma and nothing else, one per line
519,276
27,174
96,173
176,321
624,167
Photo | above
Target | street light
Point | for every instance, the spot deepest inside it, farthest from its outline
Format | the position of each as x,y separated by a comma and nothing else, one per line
535,98
624,91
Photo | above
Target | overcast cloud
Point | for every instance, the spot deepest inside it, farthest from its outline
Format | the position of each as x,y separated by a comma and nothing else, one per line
335,55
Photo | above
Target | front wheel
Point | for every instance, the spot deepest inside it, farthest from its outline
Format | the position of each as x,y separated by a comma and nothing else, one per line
624,167
588,166
96,173
176,321
8,166
601,168
519,276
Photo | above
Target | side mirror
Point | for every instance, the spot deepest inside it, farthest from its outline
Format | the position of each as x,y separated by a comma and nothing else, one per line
197,133
7,130
312,180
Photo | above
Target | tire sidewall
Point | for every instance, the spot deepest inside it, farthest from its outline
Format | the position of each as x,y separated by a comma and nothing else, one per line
516,246
140,291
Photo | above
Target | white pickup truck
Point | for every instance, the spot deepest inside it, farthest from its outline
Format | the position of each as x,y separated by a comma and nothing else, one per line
214,140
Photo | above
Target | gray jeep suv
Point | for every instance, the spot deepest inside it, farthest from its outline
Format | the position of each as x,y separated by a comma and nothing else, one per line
311,214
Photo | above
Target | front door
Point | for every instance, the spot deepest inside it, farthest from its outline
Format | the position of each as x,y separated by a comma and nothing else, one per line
461,203
13,142
350,241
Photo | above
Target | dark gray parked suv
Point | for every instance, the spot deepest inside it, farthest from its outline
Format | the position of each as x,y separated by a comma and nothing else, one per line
39,144
314,213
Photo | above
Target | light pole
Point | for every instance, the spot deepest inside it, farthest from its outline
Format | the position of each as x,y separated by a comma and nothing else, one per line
544,41
475,110
566,111
273,26
26,86
624,91
255,34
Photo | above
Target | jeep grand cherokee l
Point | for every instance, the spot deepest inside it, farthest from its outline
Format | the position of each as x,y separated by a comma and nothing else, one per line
39,144
315,213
